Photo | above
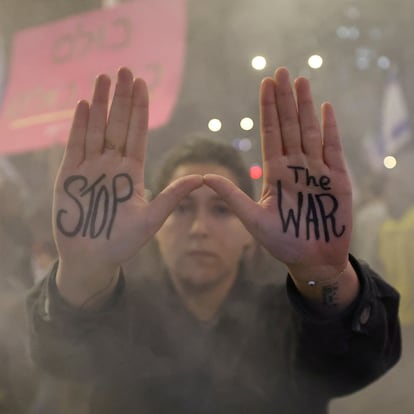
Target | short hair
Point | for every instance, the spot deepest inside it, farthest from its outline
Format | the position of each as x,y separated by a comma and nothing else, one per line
201,150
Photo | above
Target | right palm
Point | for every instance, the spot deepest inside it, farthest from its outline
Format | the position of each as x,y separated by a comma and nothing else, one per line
99,209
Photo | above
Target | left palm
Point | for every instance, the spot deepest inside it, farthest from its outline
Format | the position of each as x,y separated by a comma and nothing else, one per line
304,214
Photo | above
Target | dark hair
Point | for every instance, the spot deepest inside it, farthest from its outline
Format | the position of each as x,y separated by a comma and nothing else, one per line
203,151
199,149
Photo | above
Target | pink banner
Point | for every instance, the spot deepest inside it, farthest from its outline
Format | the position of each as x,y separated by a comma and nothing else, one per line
55,65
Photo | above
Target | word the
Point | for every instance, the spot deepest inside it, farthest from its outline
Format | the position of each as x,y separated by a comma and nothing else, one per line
103,203
323,181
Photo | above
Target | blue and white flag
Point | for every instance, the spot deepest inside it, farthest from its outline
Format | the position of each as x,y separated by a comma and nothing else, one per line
395,122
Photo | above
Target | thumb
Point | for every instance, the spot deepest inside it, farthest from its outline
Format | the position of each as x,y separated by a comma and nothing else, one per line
241,204
167,200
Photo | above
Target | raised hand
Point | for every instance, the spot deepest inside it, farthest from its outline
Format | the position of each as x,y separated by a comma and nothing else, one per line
303,217
100,215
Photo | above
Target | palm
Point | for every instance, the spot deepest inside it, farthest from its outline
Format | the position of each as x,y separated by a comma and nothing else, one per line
91,217
298,221
304,213
100,211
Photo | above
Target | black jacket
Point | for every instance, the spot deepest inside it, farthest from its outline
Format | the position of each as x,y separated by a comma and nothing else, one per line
266,352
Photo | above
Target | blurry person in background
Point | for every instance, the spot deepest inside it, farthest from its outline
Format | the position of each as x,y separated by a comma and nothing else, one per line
368,217
396,255
384,236
17,386
15,235
24,387
202,337
396,234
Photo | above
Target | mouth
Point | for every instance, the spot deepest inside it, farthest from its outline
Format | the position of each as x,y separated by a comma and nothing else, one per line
201,253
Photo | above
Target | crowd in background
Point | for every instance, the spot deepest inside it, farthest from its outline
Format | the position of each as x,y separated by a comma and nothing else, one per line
383,235
26,251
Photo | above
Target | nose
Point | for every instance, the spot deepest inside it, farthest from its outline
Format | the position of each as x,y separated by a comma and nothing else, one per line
200,226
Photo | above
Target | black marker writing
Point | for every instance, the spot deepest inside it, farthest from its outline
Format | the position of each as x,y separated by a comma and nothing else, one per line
291,217
312,219
100,214
320,211
329,215
322,182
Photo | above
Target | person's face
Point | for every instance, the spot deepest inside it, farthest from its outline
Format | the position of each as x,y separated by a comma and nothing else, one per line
202,241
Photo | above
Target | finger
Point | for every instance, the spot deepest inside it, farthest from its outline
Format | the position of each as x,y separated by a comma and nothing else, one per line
239,202
97,117
287,110
308,120
272,147
119,114
138,124
167,200
75,147
332,147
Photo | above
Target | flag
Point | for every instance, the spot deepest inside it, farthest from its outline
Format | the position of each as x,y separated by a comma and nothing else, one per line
395,122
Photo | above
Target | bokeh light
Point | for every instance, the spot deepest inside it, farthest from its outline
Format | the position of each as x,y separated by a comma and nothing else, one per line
246,124
315,61
259,62
214,125
390,162
383,62
256,171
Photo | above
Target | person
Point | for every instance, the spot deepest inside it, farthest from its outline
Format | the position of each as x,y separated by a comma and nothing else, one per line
201,337
16,389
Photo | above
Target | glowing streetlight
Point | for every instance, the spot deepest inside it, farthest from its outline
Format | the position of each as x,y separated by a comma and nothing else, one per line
246,124
214,125
390,162
259,62
315,61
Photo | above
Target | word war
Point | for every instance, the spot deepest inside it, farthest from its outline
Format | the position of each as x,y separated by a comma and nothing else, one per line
316,212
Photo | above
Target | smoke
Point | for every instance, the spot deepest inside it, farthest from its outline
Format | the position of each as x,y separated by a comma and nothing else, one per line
223,36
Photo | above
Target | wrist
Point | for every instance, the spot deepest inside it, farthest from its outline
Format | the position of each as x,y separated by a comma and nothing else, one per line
313,275
327,292
84,285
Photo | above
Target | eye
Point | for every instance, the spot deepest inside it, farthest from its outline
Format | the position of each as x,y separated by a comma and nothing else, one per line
222,210
183,207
